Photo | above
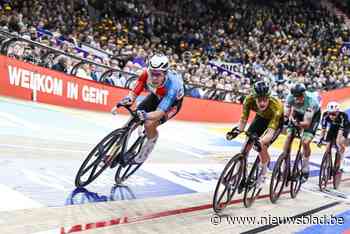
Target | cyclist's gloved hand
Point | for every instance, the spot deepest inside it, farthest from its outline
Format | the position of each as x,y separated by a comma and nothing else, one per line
319,144
295,122
126,101
142,114
233,133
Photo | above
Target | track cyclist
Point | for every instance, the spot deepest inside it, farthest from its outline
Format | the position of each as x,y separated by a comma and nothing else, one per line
337,123
267,124
164,101
303,108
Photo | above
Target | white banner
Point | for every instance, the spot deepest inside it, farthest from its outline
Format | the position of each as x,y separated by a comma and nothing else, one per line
231,68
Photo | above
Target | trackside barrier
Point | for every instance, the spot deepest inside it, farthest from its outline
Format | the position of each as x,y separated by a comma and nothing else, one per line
30,82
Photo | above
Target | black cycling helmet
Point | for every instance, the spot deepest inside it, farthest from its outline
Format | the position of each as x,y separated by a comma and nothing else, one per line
298,90
261,89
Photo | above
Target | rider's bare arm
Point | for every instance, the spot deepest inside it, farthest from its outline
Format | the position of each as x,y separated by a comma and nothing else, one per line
132,95
242,124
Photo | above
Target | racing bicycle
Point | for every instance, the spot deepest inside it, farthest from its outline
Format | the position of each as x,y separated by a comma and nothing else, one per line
282,173
234,177
330,169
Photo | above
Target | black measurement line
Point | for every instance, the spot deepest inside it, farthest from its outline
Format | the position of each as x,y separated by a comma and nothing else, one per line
270,226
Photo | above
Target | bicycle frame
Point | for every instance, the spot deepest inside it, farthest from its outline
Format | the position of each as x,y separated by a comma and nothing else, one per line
129,126
110,152
249,143
296,133
247,146
132,120
237,181
334,166
330,145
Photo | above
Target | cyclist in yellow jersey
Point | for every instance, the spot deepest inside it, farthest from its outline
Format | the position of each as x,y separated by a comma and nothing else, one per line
267,124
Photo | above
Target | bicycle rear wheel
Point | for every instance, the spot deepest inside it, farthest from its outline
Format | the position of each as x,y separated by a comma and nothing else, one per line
337,174
230,178
296,176
251,185
279,177
125,170
94,163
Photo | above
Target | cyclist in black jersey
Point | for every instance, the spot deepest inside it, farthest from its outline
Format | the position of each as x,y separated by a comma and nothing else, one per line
337,123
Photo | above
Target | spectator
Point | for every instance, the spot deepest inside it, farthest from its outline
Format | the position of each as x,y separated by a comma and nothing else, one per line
84,72
61,65
284,42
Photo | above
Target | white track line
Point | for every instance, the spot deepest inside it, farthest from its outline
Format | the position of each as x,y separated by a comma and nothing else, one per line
319,193
16,119
191,153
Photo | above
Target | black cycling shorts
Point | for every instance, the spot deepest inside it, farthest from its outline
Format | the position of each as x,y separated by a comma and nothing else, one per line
151,102
259,126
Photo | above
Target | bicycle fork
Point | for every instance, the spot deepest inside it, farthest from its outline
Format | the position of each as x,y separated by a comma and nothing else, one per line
243,182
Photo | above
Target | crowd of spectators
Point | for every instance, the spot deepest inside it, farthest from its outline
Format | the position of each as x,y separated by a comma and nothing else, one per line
343,5
283,41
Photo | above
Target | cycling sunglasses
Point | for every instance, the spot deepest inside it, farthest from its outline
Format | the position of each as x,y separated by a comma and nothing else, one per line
156,73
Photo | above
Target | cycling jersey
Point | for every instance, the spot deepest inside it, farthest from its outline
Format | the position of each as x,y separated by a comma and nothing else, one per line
171,91
311,104
274,111
341,121
316,96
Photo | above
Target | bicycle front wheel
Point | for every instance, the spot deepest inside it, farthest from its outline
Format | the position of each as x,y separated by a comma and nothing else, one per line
337,174
279,177
325,171
251,190
95,163
296,176
228,182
